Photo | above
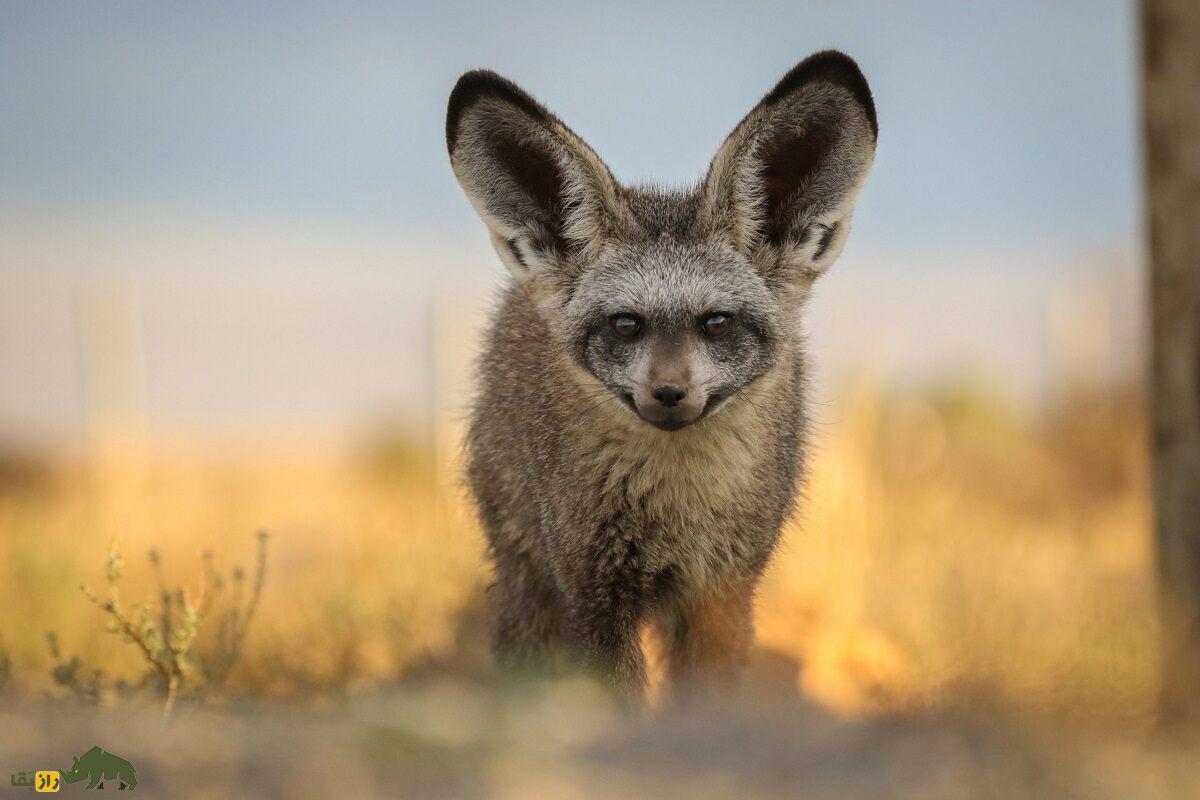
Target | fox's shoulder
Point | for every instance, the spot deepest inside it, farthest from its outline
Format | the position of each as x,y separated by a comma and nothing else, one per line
517,339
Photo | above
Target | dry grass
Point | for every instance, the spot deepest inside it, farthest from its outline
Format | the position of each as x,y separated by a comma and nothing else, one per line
950,552
953,553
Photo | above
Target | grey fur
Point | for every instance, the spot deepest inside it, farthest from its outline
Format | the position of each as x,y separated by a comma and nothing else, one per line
629,479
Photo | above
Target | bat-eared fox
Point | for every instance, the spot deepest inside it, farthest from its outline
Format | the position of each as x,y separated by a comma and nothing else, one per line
639,431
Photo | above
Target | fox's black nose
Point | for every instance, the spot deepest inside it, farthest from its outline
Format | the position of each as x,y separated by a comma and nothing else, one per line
669,395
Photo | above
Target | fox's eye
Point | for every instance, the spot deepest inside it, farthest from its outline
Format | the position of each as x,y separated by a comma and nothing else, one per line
716,324
626,325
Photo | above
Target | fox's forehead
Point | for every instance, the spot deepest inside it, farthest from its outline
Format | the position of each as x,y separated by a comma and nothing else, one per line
656,212
669,280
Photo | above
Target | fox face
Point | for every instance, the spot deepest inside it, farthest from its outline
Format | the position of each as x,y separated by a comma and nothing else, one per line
672,302
671,329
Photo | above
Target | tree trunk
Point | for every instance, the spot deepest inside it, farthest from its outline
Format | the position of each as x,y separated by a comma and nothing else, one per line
1171,99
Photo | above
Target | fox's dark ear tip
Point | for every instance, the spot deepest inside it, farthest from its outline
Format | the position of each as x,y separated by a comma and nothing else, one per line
829,66
477,84
469,88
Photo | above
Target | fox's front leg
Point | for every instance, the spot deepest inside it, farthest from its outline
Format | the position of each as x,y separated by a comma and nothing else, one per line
707,640
526,612
608,597
610,644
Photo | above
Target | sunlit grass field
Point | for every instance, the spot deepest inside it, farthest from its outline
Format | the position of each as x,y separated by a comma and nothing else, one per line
951,551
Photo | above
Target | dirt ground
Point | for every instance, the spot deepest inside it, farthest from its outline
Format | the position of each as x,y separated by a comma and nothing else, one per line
563,739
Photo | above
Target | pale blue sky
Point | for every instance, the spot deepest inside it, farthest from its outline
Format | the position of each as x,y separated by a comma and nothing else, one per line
287,159
1001,119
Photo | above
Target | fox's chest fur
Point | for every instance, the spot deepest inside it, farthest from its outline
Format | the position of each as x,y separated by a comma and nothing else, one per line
688,495
568,476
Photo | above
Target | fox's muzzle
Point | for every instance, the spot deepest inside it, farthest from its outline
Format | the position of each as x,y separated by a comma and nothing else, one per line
669,391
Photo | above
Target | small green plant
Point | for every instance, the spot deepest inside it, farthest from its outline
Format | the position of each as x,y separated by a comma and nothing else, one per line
168,633
82,684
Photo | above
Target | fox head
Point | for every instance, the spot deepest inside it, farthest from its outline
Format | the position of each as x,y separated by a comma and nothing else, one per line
674,301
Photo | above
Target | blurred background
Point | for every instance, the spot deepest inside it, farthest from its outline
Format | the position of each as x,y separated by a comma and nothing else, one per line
241,290
249,206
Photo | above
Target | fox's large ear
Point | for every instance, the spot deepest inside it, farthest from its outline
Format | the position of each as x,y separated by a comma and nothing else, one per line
784,183
548,200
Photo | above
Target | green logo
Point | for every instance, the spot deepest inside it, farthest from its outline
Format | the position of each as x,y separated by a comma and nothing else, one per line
98,767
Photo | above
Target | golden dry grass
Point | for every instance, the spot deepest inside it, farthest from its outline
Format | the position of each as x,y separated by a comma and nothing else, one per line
950,551
953,553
